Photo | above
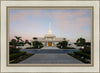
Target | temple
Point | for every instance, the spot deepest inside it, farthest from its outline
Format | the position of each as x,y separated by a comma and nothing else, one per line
49,39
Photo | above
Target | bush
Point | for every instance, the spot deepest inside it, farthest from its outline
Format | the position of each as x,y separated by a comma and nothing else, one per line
18,59
37,44
82,54
62,44
70,48
86,50
30,48
16,55
14,50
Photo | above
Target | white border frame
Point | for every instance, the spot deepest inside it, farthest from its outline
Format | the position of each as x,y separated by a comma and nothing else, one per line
4,68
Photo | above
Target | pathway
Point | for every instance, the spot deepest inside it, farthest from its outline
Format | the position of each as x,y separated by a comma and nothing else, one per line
46,47
49,51
51,59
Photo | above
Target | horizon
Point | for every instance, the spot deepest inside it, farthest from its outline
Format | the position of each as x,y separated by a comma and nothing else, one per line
69,23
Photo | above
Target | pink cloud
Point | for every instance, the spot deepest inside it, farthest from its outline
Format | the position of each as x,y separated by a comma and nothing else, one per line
68,14
29,24
79,13
24,37
21,15
74,27
84,20
62,20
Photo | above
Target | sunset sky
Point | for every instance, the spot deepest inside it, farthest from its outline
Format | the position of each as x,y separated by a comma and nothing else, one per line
69,23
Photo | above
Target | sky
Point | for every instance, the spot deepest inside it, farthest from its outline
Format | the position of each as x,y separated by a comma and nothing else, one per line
69,23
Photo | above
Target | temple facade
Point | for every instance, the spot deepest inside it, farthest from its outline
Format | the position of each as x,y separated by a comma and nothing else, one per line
49,39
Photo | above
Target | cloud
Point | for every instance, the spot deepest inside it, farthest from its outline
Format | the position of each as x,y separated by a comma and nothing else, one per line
68,13
71,22
78,13
22,14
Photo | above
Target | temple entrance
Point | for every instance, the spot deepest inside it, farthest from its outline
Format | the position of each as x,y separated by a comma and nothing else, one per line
49,43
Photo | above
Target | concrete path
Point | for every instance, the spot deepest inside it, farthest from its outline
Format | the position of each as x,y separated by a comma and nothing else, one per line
46,47
51,59
49,51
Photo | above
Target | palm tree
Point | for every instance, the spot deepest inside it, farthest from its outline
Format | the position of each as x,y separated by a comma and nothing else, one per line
59,45
18,38
22,42
81,41
37,44
62,44
13,42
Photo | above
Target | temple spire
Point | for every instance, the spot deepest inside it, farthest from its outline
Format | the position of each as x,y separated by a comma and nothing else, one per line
49,32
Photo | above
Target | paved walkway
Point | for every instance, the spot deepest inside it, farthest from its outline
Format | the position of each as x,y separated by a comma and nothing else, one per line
46,47
51,59
49,51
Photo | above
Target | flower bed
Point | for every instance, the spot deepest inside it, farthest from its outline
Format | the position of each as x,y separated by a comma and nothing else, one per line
14,50
81,54
32,48
82,57
17,57
68,48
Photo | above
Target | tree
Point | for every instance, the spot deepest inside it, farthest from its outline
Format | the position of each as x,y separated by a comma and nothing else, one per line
37,44
26,41
81,42
13,42
35,38
64,39
22,42
62,44
59,45
18,38
88,43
